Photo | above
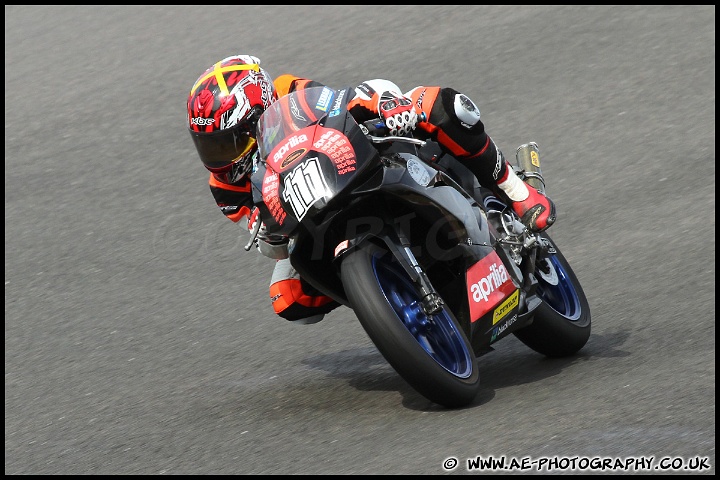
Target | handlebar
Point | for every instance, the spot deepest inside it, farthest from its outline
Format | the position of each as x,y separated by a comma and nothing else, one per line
388,139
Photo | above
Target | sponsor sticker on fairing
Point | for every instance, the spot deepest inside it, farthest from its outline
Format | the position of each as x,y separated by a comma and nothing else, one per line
270,194
497,331
336,106
506,307
488,283
326,97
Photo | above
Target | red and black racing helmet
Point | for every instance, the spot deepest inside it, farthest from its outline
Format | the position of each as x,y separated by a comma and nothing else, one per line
223,109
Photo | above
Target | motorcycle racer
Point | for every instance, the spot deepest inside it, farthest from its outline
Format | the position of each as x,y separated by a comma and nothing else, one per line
226,101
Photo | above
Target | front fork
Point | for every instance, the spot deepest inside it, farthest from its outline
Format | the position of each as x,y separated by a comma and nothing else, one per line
399,245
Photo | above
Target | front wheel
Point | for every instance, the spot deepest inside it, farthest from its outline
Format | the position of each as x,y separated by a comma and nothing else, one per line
561,324
431,352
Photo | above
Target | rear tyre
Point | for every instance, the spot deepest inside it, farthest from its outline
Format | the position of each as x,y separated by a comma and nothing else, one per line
430,352
562,322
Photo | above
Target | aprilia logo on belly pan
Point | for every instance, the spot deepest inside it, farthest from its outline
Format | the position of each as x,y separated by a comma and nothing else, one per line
488,284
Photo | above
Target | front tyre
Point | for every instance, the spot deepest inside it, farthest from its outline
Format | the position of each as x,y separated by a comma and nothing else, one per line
431,352
561,325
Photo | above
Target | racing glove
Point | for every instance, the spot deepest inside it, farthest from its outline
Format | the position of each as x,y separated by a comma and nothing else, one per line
398,113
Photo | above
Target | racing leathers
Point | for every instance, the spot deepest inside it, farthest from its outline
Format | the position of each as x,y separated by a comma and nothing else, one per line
450,118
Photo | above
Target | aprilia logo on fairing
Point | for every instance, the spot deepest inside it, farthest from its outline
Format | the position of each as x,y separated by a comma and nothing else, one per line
291,143
488,284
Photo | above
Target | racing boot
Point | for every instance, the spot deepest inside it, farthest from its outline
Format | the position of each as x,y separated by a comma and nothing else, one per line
536,211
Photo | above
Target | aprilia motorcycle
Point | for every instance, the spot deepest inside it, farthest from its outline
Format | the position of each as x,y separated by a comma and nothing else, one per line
436,268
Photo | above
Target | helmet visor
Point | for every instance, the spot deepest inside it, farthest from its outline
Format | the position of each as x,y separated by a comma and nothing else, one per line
221,149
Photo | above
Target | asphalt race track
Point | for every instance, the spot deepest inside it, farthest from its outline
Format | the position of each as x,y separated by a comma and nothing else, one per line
139,336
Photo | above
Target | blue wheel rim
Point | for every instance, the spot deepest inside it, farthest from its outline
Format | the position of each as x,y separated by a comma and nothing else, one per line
561,297
436,334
